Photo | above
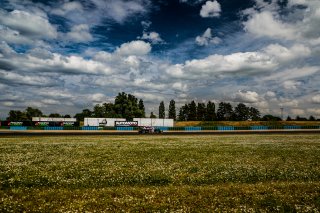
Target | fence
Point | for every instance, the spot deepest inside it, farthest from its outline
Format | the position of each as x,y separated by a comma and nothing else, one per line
187,128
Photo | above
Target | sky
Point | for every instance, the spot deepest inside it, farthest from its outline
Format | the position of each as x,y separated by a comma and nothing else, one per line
62,56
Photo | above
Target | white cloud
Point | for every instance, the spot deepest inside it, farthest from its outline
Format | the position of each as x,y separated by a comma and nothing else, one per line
316,99
8,103
210,9
120,10
138,48
298,112
79,33
67,7
291,85
27,24
247,97
50,102
248,62
98,97
19,79
265,24
314,111
294,73
153,37
283,54
206,38
285,102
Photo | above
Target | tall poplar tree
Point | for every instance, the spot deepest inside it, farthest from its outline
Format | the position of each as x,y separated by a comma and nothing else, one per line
172,110
162,113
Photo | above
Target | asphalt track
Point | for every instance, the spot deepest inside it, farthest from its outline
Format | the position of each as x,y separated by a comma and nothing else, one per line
108,132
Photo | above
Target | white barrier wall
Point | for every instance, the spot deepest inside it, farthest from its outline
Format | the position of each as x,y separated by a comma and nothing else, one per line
154,122
46,119
101,121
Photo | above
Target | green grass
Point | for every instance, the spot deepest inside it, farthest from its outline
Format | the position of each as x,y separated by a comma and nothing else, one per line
160,173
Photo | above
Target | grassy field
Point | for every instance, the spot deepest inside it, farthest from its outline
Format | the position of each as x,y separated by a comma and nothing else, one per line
246,173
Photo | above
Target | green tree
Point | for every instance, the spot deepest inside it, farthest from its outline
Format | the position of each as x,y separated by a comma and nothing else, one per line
192,113
16,115
311,118
183,113
86,113
99,111
224,112
211,112
270,118
162,112
55,115
110,111
172,110
241,112
142,108
32,112
152,115
126,106
201,112
254,114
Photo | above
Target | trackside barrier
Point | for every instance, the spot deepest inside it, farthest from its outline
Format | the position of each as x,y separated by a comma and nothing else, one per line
53,128
226,128
179,128
18,128
162,128
241,128
109,128
125,128
192,128
292,127
209,128
71,128
258,127
90,128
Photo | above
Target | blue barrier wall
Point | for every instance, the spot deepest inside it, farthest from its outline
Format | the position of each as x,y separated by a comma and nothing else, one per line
125,128
259,128
192,128
162,128
292,127
226,128
18,128
53,128
90,128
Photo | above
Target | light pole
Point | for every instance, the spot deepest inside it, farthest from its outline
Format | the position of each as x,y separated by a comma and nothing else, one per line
281,113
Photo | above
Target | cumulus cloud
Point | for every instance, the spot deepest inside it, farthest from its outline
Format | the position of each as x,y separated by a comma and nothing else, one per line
246,97
291,85
80,33
316,99
314,111
248,62
300,24
27,24
210,9
298,112
120,10
153,37
284,54
67,7
206,38
134,48
265,24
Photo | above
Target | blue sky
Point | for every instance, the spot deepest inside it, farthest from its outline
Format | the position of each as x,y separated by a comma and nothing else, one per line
63,56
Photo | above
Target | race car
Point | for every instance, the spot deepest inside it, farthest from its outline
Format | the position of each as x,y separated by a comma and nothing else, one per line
149,129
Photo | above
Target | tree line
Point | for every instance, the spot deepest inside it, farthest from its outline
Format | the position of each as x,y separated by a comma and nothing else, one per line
128,106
